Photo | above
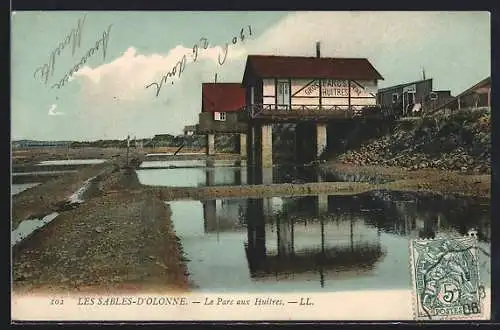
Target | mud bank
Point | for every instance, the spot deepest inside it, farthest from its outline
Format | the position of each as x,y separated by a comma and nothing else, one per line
121,239
435,180
181,156
443,186
35,155
286,189
45,198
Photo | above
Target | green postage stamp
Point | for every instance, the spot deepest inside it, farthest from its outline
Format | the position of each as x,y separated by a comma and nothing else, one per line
445,279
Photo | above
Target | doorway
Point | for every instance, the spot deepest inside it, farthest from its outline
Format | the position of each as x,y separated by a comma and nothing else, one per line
283,95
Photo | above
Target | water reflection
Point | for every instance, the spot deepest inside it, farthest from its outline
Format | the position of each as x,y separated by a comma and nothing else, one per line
192,177
199,173
317,242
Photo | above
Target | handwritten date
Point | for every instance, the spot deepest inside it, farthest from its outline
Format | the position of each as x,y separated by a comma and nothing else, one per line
203,44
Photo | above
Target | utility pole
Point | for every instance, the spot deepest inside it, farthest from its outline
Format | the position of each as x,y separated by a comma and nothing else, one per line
128,146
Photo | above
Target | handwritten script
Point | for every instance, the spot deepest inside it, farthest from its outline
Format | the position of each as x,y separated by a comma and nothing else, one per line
102,43
203,44
74,37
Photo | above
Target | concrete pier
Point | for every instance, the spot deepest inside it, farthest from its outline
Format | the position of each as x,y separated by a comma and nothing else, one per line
267,175
321,138
210,144
250,145
210,177
311,139
322,204
259,146
267,145
243,145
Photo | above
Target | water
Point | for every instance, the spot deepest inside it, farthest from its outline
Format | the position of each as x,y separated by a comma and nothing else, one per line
72,162
318,243
78,196
43,173
174,163
192,177
188,163
27,227
197,173
171,154
20,187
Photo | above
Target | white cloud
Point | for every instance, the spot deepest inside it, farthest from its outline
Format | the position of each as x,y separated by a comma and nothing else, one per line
52,111
125,77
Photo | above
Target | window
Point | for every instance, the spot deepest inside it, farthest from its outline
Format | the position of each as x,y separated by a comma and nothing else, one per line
220,116
283,93
394,97
434,96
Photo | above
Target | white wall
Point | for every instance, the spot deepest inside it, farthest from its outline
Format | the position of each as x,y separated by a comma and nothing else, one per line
333,92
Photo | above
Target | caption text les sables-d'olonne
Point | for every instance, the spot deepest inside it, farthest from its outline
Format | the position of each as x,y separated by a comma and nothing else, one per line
184,301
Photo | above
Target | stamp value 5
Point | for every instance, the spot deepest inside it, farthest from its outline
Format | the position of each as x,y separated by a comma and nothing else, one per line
445,279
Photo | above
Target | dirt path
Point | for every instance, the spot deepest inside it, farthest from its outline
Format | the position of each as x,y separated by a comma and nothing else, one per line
120,241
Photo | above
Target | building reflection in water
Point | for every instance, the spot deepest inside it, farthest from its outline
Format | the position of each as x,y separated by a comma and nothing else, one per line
292,240
339,236
217,175
222,215
427,216
319,237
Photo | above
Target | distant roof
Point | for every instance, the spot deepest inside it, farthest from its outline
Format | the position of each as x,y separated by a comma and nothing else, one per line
402,85
222,97
483,82
270,66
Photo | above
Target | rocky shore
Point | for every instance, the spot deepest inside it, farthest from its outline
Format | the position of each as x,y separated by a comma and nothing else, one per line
458,142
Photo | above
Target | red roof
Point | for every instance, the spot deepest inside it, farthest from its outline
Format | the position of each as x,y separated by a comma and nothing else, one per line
222,97
265,66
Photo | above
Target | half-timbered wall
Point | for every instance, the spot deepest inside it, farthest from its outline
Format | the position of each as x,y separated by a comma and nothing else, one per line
320,92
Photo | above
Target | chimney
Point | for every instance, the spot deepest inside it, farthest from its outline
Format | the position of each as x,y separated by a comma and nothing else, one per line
318,49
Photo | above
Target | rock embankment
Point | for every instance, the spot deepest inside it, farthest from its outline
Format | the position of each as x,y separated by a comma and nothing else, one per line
458,142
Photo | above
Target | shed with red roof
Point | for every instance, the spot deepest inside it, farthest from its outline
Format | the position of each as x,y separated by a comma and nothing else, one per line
220,105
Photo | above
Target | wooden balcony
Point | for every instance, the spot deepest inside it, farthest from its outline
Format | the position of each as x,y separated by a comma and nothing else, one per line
272,112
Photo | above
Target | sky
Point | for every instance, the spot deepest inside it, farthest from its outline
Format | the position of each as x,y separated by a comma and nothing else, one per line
121,53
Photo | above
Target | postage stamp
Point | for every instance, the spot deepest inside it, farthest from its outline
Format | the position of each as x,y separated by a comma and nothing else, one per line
445,279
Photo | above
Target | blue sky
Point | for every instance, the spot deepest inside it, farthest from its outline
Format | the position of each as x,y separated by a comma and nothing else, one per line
107,98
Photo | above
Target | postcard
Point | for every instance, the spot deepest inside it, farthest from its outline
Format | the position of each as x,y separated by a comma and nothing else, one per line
267,166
